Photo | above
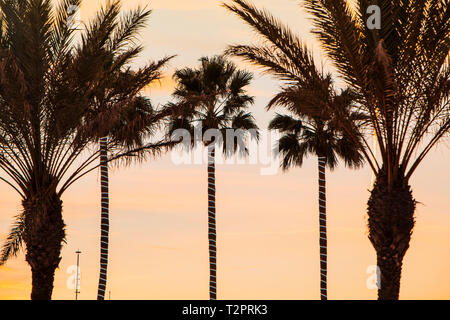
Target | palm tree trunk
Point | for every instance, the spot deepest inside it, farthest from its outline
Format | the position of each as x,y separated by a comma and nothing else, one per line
43,236
391,221
104,237
212,222
323,228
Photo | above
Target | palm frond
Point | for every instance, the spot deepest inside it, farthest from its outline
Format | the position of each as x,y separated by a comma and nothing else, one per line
285,56
14,240
292,151
128,28
341,36
62,31
285,123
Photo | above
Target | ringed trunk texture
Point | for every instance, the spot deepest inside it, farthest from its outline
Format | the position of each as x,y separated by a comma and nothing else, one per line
43,237
212,222
323,228
104,236
391,222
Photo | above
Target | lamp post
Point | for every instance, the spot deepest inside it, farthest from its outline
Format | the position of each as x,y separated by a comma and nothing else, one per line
77,279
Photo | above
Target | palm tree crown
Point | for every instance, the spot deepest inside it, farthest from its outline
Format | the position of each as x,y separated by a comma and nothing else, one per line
308,129
400,73
214,97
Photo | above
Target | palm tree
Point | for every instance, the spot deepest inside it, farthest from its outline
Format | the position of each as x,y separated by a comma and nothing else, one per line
214,97
310,130
121,86
400,75
140,122
48,124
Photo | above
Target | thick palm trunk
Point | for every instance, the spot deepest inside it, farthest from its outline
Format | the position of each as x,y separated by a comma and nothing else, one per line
391,221
43,237
104,237
212,222
323,228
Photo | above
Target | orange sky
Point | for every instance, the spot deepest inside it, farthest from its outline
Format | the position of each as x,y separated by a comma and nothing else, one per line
267,225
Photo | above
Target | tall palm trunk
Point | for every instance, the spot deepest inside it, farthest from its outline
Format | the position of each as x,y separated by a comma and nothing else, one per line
212,222
323,228
391,221
104,237
43,235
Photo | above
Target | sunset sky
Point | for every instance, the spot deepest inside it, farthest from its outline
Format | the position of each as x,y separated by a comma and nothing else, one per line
268,235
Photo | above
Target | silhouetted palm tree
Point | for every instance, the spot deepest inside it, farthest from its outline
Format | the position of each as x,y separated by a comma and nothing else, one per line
310,130
48,124
400,75
135,127
122,86
214,97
